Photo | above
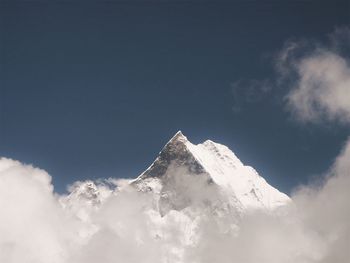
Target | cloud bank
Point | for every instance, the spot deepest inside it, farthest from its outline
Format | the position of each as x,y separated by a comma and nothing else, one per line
33,227
36,227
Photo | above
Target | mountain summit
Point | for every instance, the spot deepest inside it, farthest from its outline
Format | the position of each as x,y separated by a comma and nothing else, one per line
176,151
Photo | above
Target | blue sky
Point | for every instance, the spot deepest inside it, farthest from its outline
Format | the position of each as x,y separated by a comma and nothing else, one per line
91,90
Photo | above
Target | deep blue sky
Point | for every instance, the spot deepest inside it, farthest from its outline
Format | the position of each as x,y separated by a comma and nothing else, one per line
95,89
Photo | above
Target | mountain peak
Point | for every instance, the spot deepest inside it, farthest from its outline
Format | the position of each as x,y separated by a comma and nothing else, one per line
179,136
176,152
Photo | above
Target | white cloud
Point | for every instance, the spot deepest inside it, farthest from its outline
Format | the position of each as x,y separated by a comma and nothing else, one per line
319,75
326,210
34,227
320,79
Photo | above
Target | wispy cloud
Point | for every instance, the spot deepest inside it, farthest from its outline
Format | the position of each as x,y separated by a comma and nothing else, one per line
311,79
248,91
318,76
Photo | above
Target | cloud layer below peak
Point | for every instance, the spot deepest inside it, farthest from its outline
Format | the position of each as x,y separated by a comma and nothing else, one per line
36,228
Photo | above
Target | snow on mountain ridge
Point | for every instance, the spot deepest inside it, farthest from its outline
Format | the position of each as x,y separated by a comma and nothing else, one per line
220,166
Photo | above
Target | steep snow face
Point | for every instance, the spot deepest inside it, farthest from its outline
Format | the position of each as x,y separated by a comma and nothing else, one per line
228,171
214,173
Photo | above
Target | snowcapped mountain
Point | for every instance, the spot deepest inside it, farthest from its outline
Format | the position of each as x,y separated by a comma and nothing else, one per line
208,166
184,187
